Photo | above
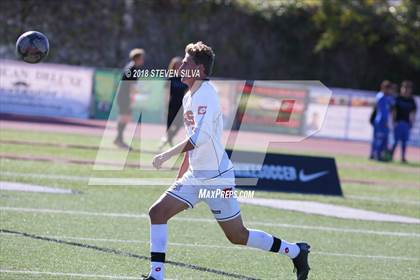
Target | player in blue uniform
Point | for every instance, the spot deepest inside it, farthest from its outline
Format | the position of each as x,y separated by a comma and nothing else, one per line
381,121
404,113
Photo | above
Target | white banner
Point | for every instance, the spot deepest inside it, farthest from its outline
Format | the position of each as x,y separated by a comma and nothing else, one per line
45,89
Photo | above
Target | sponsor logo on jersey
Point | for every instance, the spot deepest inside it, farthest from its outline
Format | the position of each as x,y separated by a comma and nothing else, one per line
202,110
189,118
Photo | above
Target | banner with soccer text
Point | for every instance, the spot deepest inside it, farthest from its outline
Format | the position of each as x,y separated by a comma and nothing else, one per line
45,89
286,173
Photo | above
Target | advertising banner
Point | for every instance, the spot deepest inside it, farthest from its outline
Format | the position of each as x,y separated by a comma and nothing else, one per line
335,122
264,102
288,173
45,89
106,84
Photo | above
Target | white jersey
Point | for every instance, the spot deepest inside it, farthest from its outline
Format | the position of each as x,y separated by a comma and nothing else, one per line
203,121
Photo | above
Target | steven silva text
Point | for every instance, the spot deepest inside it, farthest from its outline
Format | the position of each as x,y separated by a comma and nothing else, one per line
165,73
224,193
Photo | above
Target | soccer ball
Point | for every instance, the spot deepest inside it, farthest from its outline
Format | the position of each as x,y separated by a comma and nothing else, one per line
32,47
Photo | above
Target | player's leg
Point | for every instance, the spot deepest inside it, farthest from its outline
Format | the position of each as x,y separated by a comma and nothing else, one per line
180,196
403,151
405,134
376,142
226,211
385,147
175,127
237,233
165,139
380,143
123,120
161,211
173,123
173,111
373,145
396,139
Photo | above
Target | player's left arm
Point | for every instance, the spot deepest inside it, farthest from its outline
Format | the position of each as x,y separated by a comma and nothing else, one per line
394,112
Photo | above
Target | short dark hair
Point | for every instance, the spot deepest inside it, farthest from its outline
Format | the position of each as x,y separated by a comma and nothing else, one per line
385,84
407,84
201,54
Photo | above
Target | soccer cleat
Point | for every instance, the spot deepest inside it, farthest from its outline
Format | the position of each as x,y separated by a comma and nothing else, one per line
301,262
120,144
147,277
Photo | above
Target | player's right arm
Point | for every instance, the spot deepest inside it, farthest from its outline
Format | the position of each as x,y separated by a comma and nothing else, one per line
180,148
412,115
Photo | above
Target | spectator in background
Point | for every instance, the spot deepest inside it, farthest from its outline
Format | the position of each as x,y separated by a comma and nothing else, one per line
124,93
380,122
404,114
175,112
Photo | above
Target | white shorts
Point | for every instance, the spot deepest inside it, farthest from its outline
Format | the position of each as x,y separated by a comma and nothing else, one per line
217,193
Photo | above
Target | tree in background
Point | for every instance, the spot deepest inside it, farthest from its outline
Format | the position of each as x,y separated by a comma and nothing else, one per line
367,41
353,44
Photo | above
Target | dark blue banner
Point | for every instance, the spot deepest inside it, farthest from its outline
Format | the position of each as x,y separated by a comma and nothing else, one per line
288,173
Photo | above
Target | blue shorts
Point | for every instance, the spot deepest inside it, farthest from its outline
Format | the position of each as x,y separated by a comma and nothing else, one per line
401,131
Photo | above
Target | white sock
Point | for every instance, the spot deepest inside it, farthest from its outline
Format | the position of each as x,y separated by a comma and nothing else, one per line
289,249
158,245
260,240
157,270
264,241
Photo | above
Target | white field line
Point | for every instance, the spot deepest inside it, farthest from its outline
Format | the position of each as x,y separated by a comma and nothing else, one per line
81,275
384,199
47,176
135,182
110,181
225,247
205,220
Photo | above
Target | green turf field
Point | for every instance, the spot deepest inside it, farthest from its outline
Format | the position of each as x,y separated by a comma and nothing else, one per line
113,221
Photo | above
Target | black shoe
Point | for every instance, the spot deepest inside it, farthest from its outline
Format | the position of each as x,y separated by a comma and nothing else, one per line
120,144
147,277
301,262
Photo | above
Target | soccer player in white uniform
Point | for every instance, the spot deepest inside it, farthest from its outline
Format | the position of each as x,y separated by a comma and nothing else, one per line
207,166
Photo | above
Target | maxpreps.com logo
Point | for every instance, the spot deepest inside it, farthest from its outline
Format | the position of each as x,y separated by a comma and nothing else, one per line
276,172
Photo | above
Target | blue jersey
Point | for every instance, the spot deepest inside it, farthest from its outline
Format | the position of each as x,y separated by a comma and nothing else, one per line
384,104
